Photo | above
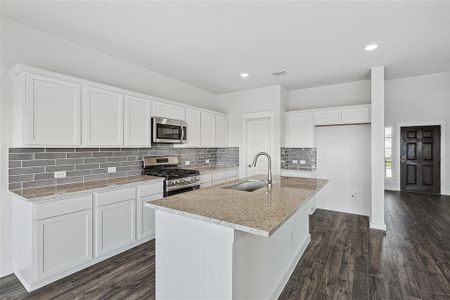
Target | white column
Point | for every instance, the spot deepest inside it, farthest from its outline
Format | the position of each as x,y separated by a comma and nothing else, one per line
377,148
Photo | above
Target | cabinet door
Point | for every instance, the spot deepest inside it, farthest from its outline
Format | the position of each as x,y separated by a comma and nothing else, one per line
137,122
356,115
115,224
193,128
300,130
208,131
221,131
63,242
146,216
328,117
169,111
52,112
102,117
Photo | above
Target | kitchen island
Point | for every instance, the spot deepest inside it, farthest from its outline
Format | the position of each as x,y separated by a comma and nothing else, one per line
221,243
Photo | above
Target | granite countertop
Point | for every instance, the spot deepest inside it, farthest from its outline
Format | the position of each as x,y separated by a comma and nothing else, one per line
210,169
260,212
48,193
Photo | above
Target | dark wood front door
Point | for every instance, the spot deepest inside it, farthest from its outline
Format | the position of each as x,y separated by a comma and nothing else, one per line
420,159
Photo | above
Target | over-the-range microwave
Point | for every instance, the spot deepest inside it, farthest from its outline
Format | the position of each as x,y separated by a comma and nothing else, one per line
169,131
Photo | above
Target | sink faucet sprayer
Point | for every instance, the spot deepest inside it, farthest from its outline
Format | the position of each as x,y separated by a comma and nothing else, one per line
269,167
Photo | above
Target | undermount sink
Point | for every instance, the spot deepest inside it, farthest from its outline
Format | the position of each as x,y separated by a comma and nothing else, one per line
247,186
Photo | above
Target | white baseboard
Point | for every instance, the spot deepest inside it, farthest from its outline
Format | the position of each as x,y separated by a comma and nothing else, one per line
277,292
6,270
378,226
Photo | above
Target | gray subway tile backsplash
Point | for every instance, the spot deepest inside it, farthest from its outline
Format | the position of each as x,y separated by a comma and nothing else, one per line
35,167
289,155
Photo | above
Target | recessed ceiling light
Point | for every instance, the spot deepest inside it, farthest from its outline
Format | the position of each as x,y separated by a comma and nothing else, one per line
371,47
244,75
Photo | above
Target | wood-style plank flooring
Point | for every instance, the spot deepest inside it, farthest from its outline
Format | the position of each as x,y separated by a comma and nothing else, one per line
345,260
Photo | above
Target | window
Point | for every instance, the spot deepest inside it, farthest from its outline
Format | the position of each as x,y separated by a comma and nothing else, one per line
388,152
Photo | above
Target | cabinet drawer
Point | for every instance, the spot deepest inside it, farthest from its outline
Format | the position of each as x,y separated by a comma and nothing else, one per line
114,196
219,175
233,173
61,207
150,189
205,178
220,181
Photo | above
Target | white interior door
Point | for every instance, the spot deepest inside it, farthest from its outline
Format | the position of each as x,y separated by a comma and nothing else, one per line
258,139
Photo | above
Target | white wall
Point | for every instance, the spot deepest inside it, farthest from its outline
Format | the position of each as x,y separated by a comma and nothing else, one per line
249,101
343,157
349,93
25,45
423,98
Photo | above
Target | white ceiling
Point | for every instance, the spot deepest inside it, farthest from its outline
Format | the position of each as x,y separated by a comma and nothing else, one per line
208,44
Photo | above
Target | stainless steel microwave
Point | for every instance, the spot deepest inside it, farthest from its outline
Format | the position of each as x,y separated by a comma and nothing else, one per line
169,131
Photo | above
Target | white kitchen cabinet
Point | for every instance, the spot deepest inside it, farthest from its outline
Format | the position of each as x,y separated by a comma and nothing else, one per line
63,242
146,216
221,131
299,130
102,117
165,110
115,226
357,114
327,117
208,130
137,124
40,120
193,119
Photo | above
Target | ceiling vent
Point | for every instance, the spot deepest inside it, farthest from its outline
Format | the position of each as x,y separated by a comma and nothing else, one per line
280,73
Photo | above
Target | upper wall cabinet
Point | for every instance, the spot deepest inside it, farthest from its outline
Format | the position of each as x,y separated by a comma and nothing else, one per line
208,130
299,130
102,117
221,131
356,114
328,117
169,111
56,110
137,122
39,119
193,120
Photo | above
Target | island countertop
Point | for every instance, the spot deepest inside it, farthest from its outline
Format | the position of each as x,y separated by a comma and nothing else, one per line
260,212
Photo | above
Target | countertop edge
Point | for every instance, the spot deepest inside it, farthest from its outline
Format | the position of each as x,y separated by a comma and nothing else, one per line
79,193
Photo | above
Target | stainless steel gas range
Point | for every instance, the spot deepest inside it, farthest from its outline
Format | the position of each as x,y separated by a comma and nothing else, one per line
177,180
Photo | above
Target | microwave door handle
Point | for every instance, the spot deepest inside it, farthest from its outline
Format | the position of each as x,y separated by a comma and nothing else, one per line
182,133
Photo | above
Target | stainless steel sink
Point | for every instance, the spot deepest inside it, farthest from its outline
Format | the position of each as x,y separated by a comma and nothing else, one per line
247,186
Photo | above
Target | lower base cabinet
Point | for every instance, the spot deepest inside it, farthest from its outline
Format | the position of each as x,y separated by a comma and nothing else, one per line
115,226
58,237
63,242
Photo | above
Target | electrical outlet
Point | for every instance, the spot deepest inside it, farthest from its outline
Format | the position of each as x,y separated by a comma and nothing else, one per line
303,162
207,161
353,195
111,169
60,174
187,163
295,162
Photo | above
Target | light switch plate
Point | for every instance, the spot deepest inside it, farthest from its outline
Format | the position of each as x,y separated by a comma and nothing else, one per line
59,174
295,162
303,162
207,161
111,169
187,163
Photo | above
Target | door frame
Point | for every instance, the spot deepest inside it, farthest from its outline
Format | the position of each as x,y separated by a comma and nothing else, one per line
257,115
396,153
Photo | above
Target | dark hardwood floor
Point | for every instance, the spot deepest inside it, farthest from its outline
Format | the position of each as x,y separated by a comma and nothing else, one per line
345,260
